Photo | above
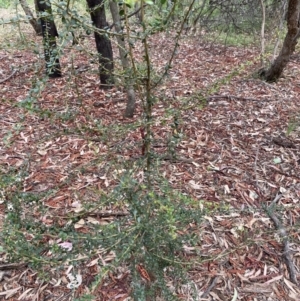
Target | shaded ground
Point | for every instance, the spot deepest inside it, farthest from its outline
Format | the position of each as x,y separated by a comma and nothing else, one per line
239,148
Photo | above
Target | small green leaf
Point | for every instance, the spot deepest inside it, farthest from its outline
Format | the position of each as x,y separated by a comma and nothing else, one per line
130,3
277,160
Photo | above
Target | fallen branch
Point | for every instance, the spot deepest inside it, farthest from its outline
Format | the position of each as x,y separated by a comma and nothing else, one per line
109,214
282,232
284,142
12,266
98,214
7,78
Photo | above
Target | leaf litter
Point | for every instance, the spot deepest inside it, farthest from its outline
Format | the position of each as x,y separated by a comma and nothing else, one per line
235,156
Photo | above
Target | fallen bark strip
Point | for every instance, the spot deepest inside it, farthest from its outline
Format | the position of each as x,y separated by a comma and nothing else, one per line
7,78
12,266
282,232
284,142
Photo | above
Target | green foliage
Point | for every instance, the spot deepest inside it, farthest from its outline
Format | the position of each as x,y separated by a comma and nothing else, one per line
154,235
151,235
5,3
85,298
154,230
292,125
231,38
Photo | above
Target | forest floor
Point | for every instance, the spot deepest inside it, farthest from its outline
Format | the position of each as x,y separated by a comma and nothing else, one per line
239,148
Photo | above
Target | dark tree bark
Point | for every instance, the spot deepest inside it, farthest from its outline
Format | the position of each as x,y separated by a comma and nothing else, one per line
49,30
36,12
289,44
32,20
103,44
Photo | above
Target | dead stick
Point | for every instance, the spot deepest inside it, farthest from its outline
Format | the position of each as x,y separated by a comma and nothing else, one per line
230,97
211,286
12,266
7,78
109,214
99,214
282,232
276,199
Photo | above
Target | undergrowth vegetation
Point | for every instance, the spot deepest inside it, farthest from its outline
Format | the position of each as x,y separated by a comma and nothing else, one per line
151,232
151,219
136,219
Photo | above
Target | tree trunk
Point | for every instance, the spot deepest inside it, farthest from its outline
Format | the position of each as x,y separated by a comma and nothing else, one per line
103,44
49,39
32,20
36,6
289,44
123,56
139,14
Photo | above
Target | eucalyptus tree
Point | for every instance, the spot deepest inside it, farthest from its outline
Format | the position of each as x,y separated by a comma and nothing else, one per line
289,44
103,43
31,18
115,12
53,68
96,9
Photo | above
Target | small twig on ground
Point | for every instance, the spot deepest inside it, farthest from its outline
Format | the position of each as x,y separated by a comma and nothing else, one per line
63,296
282,232
230,97
7,78
211,286
12,266
93,212
276,199
109,214
177,159
255,167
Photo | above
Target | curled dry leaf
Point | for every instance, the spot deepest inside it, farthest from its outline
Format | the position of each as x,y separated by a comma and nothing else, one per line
143,272
79,224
